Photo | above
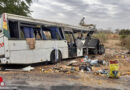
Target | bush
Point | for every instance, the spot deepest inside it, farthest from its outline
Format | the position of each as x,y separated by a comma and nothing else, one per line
124,33
125,38
126,42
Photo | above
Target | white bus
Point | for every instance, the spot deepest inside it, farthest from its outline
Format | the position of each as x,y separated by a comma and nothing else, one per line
24,40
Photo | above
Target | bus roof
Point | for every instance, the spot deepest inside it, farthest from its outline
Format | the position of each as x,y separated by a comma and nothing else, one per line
48,23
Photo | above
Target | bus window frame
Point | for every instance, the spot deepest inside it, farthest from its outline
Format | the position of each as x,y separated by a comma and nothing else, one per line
9,29
63,32
20,22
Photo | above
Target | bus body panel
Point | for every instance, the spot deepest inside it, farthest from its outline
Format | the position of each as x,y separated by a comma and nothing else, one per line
20,52
6,47
2,52
2,46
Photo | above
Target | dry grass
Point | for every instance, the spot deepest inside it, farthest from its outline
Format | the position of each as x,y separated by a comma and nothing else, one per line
101,36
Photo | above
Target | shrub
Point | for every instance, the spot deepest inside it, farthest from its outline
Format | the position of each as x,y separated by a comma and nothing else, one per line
124,33
125,38
126,42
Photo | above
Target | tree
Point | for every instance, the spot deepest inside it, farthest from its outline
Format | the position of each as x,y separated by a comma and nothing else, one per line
19,7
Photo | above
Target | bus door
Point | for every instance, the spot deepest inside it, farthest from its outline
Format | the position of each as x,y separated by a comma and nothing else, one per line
71,44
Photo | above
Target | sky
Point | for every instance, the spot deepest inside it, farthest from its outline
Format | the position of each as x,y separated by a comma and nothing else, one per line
105,14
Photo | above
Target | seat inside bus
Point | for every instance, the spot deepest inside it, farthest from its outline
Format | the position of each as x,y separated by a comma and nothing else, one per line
54,33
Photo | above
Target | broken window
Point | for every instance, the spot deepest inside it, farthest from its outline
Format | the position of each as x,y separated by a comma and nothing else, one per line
78,34
55,33
13,28
52,33
47,35
37,33
84,34
69,37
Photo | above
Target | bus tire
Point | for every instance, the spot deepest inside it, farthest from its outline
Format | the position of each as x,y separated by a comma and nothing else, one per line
53,58
2,68
101,50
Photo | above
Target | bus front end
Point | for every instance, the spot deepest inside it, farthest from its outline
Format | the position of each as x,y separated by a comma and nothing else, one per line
3,40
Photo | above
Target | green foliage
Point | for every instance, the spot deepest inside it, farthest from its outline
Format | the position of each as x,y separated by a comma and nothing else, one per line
126,42
19,7
125,38
124,33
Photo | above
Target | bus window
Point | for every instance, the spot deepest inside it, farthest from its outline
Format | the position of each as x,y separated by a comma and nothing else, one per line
69,37
13,28
55,33
78,35
37,33
84,34
52,33
47,35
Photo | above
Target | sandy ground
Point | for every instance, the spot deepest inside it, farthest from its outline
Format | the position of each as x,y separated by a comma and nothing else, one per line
55,80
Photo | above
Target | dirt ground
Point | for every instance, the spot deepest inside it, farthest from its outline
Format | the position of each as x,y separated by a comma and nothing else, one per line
48,77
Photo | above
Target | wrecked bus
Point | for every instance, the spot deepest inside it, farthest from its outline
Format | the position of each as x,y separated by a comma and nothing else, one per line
24,40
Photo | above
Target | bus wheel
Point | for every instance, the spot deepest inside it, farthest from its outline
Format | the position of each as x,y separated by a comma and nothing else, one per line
101,50
53,57
2,68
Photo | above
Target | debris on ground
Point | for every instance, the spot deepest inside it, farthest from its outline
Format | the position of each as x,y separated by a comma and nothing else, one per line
102,71
72,63
85,67
28,68
128,52
114,69
125,73
95,70
128,59
94,62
